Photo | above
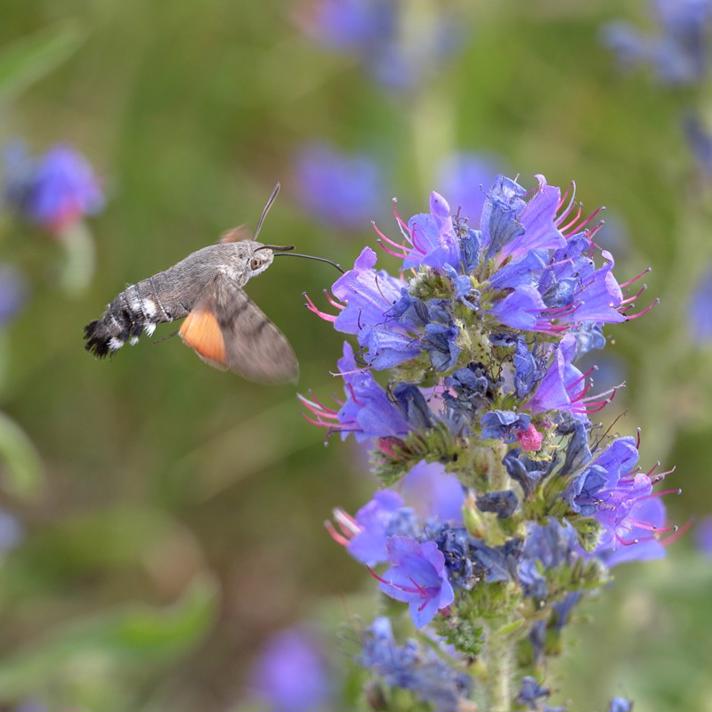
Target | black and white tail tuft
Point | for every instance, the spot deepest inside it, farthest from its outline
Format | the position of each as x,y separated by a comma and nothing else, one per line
111,332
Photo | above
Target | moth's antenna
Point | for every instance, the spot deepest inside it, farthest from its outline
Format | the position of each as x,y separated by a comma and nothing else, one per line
286,251
265,210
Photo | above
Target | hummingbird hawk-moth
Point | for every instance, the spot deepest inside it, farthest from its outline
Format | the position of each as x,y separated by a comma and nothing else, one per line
224,327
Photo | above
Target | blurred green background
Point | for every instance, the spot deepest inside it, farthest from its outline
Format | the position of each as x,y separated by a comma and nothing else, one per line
171,513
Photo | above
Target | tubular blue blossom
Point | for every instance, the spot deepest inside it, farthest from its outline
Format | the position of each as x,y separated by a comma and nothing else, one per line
366,535
412,667
417,576
339,189
368,412
53,191
291,674
620,704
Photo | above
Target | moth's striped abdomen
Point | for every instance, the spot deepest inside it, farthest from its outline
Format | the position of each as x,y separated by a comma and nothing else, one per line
135,310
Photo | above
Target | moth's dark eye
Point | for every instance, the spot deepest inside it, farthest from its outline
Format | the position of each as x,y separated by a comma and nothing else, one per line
255,263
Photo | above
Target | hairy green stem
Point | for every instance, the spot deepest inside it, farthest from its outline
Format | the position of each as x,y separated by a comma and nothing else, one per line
499,660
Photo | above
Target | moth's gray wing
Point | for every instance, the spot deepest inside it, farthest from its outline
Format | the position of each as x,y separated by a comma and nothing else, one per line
228,330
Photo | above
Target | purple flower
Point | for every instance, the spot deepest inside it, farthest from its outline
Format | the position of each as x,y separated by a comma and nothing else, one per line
291,674
433,493
53,191
700,309
703,536
432,237
13,292
368,412
366,535
563,385
464,179
622,500
341,190
412,667
417,576
538,219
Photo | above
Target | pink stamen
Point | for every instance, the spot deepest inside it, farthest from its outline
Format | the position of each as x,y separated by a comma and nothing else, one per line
314,310
332,300
338,538
389,251
403,227
643,312
573,221
662,475
567,210
681,531
638,276
630,300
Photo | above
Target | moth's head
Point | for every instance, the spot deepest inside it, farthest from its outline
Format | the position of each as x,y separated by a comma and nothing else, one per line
259,257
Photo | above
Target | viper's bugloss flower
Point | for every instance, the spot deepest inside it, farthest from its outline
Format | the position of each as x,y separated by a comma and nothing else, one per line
366,535
291,674
680,51
53,190
467,360
413,667
417,576
374,32
623,501
339,189
700,309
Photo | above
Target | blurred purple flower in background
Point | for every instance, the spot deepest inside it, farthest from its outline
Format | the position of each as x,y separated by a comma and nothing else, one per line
679,53
339,189
291,674
13,291
703,536
372,30
464,179
700,309
54,190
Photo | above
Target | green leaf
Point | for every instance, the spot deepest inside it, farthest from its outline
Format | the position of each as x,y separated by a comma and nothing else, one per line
31,58
130,637
22,474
